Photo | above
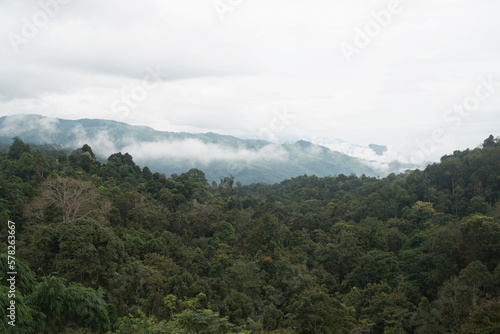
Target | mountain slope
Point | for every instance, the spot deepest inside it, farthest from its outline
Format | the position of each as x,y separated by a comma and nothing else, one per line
167,152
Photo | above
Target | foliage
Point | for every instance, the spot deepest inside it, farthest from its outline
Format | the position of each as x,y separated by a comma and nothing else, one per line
317,312
113,247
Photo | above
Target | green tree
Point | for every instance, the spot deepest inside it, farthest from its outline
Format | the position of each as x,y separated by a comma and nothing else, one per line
266,235
483,318
88,252
240,307
426,319
70,307
478,205
317,312
481,240
344,251
225,233
478,280
389,310
25,166
29,319
244,276
374,267
421,213
140,323
203,321
17,148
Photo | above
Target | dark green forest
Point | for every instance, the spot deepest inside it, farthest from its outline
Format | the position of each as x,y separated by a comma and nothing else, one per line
116,248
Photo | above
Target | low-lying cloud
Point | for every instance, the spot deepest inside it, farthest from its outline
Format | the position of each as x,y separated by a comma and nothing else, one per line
189,150
382,162
170,149
196,151
16,124
101,143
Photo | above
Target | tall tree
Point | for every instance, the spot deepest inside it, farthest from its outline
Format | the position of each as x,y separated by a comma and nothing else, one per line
74,198
88,252
316,312
17,148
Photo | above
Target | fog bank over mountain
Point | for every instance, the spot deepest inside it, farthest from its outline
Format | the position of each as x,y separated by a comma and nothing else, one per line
217,155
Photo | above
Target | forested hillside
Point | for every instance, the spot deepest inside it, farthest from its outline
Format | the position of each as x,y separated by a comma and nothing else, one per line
115,248
218,156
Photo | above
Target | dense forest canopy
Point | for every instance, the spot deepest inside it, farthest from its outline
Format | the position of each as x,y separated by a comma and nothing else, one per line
115,248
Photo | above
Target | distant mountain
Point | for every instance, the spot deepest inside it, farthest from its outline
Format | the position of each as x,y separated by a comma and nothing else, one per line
218,156
378,149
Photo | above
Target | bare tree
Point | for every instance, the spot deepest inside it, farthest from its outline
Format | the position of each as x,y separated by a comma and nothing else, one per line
75,199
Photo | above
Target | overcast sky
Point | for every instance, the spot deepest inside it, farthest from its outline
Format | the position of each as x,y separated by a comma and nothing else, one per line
419,76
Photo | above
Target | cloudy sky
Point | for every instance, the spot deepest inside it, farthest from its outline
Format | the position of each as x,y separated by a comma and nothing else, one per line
421,76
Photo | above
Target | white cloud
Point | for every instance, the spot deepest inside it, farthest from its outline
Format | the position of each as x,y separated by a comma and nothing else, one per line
48,124
193,150
13,126
101,142
228,75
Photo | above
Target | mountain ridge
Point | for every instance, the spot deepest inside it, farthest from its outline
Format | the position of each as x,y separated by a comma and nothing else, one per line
247,160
